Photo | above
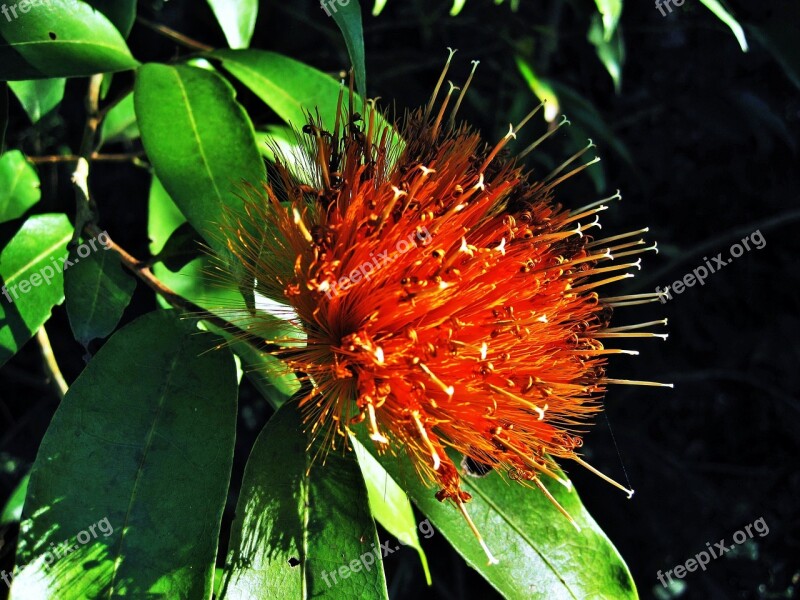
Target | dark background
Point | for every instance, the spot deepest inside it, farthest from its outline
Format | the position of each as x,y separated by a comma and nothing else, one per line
702,140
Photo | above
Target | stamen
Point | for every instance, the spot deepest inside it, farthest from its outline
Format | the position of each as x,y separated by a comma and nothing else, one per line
602,476
649,295
589,286
636,382
447,389
301,226
533,146
460,503
435,128
463,93
616,196
601,334
555,503
569,161
637,326
429,108
654,247
424,434
376,435
621,236
572,173
523,401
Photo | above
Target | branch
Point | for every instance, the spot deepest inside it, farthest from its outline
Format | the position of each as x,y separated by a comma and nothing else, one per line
175,36
51,366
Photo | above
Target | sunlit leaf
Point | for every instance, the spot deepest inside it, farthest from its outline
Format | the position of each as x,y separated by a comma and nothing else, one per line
38,96
32,282
723,15
19,186
610,11
540,554
61,39
301,530
237,19
133,471
200,142
541,89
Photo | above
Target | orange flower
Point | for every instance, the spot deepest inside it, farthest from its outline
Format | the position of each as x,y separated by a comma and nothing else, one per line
444,298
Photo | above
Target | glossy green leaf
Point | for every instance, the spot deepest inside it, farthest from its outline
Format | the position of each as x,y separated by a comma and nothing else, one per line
97,289
191,281
540,554
723,15
611,52
298,533
19,186
348,18
38,96
122,13
389,504
610,11
141,447
287,86
237,19
120,122
12,511
199,140
68,38
183,246
32,283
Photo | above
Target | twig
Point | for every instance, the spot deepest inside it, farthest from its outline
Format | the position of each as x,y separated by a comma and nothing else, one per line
175,36
134,157
142,270
51,366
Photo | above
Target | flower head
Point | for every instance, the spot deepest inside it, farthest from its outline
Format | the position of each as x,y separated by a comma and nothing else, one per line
445,299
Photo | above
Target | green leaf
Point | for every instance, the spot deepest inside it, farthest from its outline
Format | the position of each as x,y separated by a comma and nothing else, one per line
723,15
301,533
237,19
540,554
287,86
31,279
348,18
458,6
610,52
97,290
378,8
389,504
19,186
122,13
199,140
12,511
610,10
120,122
191,281
141,447
68,38
182,247
541,88
39,96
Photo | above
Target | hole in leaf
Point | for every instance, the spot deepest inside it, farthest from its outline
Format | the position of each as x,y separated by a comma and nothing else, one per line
52,35
293,562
